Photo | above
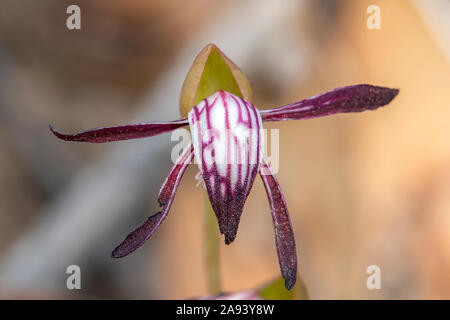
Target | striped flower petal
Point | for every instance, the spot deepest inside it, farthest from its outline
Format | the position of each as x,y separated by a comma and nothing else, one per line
142,233
356,98
228,144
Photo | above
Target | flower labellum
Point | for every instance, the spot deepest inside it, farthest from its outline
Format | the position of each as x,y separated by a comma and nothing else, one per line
227,143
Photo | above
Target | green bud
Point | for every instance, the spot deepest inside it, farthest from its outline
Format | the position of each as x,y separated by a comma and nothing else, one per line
212,71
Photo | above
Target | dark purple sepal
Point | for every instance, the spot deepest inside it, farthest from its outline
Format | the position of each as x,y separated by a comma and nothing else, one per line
125,132
142,233
355,98
284,235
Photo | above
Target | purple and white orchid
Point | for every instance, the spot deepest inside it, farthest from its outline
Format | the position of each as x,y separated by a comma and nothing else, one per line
228,144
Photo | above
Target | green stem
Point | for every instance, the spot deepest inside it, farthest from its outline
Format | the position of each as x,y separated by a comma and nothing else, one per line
211,249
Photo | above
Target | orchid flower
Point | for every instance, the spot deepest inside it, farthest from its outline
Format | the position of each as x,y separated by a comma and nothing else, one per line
225,128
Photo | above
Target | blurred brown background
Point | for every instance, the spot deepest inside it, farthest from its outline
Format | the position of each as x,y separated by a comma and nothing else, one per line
363,189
